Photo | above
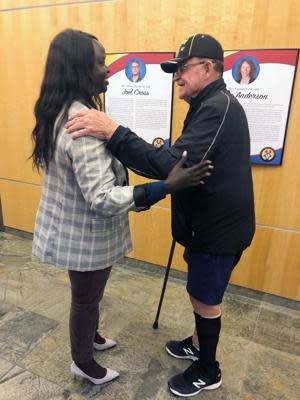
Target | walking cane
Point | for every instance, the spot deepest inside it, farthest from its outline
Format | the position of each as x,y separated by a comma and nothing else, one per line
155,324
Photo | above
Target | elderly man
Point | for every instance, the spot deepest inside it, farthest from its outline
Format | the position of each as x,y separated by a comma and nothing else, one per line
214,222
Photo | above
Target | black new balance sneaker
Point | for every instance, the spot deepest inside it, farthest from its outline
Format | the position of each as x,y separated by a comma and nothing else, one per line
183,349
194,380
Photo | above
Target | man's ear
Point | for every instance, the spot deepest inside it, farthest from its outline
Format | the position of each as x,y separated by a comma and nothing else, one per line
209,68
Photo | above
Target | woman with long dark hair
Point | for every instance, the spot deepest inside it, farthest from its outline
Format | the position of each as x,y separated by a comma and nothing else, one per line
82,220
246,72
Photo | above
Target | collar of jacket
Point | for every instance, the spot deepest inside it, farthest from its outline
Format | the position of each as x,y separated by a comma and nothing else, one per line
207,91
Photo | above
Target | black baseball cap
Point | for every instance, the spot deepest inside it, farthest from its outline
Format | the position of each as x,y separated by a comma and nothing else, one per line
199,45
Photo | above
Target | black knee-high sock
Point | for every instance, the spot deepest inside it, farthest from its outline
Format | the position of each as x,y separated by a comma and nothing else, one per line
208,331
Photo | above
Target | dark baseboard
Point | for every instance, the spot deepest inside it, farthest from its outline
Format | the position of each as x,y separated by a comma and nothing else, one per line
17,232
232,290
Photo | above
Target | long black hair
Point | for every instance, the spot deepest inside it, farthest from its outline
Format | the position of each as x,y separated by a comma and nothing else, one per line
69,76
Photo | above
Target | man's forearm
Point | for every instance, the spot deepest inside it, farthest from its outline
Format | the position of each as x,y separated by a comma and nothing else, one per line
140,156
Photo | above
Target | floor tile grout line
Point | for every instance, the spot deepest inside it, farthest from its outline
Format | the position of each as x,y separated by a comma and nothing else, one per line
25,369
17,374
6,372
19,362
36,343
246,366
257,319
250,345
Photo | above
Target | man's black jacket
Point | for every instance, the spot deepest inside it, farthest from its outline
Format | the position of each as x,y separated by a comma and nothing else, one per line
217,217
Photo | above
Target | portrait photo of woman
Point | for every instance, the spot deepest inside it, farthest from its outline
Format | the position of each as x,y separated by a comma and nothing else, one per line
246,71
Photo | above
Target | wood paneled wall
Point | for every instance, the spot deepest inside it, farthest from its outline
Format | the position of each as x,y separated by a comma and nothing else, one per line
272,263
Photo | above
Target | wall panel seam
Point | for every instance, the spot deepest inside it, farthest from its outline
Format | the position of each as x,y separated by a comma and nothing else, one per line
279,228
20,182
71,3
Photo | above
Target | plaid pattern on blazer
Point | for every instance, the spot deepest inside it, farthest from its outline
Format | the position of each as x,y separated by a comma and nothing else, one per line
82,221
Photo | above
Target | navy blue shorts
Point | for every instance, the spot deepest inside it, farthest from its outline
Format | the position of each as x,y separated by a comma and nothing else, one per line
208,275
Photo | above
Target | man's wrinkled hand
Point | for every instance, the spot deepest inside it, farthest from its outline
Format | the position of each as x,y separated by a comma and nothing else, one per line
181,178
91,123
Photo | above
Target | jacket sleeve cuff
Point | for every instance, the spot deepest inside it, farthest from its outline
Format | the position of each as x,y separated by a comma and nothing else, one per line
140,198
148,194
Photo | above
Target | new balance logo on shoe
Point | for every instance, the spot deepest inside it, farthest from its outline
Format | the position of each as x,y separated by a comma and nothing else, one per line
183,349
195,379
188,351
199,383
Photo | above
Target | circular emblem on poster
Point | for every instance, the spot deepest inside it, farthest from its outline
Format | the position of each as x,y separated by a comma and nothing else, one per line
158,142
267,154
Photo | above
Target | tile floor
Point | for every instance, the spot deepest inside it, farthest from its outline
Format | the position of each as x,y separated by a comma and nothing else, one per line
259,347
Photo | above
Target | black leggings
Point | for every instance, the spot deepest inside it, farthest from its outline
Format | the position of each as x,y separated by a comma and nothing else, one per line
87,291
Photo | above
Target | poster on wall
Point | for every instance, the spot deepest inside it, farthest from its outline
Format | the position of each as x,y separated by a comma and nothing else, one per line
140,94
262,81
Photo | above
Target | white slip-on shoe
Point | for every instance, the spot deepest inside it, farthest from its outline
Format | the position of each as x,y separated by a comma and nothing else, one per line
108,344
110,375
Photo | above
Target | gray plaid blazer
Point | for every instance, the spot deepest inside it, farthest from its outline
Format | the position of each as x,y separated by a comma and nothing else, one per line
82,219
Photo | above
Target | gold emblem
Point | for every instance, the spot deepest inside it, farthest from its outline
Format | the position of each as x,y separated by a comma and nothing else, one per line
267,154
158,142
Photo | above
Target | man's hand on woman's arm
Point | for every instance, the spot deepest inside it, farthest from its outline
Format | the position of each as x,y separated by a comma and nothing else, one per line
96,123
